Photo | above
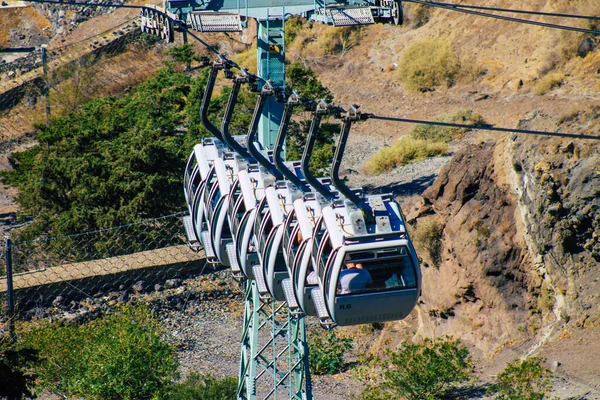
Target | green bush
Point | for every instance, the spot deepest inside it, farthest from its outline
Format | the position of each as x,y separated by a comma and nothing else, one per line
523,380
201,387
327,350
422,371
402,152
428,63
446,133
119,356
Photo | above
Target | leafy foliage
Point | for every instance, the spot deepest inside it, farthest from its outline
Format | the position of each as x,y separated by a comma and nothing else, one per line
327,352
184,54
114,162
201,387
117,161
119,356
523,380
422,371
306,83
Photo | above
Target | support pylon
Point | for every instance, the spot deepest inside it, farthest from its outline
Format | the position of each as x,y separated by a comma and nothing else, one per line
274,353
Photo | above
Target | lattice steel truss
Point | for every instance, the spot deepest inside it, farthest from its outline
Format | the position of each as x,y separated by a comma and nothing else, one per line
274,353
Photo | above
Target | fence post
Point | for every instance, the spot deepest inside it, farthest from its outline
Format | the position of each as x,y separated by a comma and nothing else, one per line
9,287
46,81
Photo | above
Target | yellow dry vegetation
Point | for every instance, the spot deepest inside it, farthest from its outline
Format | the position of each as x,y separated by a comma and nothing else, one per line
428,63
402,152
247,59
307,40
548,83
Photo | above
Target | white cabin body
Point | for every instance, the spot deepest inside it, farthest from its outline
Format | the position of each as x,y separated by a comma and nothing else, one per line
368,270
246,194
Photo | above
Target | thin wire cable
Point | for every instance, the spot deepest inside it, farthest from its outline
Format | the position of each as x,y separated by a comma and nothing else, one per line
508,10
483,127
74,3
511,19
93,36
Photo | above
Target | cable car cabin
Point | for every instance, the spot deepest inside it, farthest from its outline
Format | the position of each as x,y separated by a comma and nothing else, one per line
196,172
246,195
268,230
368,271
297,242
217,204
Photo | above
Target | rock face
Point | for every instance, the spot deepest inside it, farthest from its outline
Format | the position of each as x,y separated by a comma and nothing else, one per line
480,288
559,184
519,245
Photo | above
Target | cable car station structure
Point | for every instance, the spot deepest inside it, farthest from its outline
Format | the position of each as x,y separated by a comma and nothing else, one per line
286,234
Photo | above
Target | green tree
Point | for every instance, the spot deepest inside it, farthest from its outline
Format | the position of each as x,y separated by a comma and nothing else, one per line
524,379
304,80
422,371
118,161
184,54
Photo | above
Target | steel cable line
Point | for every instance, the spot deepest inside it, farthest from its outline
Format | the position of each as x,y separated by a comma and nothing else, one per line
93,36
511,19
543,13
482,127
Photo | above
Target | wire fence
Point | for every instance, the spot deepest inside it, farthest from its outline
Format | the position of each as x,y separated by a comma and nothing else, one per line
52,80
63,270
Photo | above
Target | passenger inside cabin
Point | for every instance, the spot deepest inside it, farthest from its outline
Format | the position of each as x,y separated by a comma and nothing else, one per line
353,277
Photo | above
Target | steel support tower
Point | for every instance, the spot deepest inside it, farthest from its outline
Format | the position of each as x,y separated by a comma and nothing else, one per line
274,353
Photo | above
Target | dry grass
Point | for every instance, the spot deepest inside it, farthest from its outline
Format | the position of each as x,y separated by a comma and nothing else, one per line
247,59
312,41
402,152
548,83
428,63
417,15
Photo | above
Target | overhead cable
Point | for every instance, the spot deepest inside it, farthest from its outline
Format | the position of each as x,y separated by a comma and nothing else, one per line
93,36
445,6
509,10
483,127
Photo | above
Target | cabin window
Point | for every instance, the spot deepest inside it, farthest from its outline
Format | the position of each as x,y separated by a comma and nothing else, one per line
376,271
318,237
324,253
280,262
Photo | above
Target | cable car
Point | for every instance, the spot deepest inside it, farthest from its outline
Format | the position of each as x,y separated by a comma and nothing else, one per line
205,154
268,228
297,242
197,173
246,194
217,192
367,267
